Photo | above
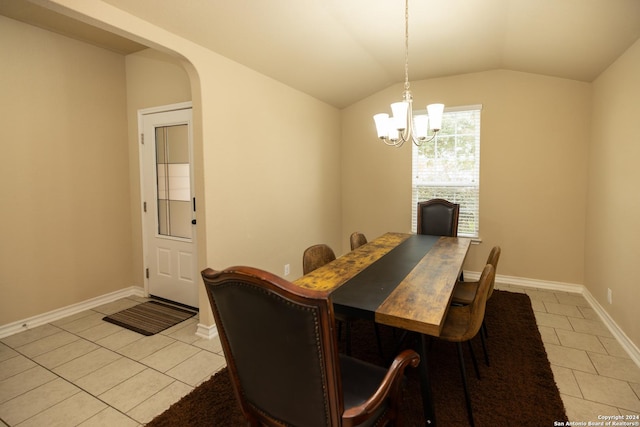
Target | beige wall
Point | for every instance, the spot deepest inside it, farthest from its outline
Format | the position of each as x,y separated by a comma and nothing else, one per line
532,174
613,230
267,163
153,79
280,170
64,182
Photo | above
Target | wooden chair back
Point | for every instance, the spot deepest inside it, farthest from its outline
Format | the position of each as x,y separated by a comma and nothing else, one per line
438,217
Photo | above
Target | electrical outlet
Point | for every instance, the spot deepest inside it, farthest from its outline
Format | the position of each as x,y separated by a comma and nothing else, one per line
609,296
287,269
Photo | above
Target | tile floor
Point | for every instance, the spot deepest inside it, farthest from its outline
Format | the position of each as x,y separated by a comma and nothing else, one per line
81,371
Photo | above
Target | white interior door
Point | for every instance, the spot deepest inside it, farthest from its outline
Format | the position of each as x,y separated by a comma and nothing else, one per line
169,205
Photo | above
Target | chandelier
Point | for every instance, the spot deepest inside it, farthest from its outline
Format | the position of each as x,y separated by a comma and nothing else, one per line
403,126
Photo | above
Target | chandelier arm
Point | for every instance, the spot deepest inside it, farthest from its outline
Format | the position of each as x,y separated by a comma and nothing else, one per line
393,143
419,142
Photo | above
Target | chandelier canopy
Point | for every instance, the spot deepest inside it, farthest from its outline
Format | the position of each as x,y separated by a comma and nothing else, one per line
402,126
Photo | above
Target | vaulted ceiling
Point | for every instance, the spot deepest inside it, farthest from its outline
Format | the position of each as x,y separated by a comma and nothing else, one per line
341,51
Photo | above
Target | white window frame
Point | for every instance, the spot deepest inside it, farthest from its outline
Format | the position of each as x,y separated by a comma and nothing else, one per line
469,221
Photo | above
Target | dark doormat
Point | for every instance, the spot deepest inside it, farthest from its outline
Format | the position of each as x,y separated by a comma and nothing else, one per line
149,318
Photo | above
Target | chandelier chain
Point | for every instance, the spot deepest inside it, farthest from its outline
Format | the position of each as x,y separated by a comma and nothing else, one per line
406,45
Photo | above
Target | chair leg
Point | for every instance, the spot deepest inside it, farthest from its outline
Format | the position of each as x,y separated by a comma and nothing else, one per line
473,359
463,372
484,329
484,348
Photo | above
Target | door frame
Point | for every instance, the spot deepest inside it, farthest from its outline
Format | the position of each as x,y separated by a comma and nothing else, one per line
140,131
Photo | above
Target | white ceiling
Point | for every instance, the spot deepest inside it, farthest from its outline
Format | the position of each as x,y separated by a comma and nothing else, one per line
341,51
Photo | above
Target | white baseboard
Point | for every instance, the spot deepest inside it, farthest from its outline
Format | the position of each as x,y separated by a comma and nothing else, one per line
210,332
629,346
52,316
207,332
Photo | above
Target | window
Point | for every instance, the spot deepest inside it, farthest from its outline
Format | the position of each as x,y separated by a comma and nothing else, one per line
449,167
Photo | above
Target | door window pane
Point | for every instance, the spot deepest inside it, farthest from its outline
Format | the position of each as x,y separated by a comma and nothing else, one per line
174,181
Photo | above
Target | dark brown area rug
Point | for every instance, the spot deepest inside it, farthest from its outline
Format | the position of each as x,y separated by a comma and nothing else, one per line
149,318
518,388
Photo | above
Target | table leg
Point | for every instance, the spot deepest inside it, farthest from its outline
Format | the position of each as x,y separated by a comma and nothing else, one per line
425,384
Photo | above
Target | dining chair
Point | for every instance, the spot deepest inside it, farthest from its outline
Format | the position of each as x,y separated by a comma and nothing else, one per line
282,354
316,256
357,239
464,292
438,217
313,258
463,323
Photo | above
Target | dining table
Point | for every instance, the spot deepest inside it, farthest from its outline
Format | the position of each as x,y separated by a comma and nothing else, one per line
402,280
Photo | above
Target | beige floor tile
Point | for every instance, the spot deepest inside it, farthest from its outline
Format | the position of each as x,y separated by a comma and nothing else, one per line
580,341
83,323
100,331
185,331
572,299
37,400
129,394
563,309
27,380
109,417
109,376
73,318
197,368
589,313
541,295
30,335
116,306
613,347
608,391
170,356
615,367
569,358
159,402
84,365
6,352
538,306
566,381
65,353
595,327
636,388
145,346
69,412
548,335
15,365
46,344
553,321
580,410
120,339
213,345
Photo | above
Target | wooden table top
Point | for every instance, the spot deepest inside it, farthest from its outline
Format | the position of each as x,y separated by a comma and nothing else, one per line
413,291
